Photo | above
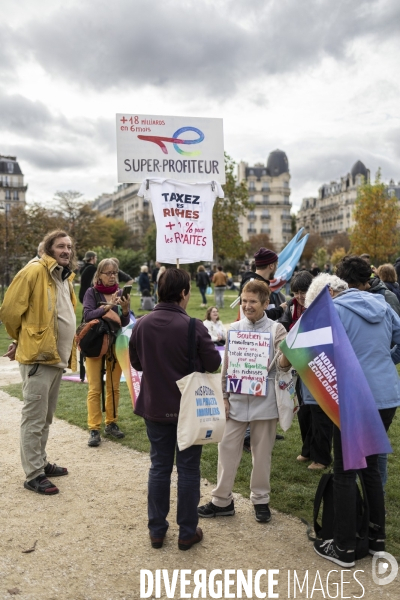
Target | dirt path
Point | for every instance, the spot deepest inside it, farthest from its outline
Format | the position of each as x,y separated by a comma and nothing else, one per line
92,538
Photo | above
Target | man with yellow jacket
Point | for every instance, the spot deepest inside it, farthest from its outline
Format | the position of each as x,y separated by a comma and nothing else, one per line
38,312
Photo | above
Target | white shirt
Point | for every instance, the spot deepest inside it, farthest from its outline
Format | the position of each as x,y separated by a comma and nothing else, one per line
215,329
183,215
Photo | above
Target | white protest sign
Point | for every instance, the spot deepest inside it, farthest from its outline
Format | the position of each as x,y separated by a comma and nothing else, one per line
184,148
248,358
183,214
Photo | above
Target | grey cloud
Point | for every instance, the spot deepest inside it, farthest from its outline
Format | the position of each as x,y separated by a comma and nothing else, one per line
330,159
105,134
315,160
33,120
393,140
23,116
51,158
260,99
198,47
8,51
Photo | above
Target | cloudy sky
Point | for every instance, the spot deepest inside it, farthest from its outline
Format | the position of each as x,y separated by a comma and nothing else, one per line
315,78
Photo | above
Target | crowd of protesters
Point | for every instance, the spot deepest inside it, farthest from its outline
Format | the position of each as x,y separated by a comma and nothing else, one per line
38,313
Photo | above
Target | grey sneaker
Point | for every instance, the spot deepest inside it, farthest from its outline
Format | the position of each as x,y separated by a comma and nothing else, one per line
114,430
94,439
210,510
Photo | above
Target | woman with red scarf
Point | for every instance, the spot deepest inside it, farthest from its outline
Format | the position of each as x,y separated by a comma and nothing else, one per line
299,284
105,295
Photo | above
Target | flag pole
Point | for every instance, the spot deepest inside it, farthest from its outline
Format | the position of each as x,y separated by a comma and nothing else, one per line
177,263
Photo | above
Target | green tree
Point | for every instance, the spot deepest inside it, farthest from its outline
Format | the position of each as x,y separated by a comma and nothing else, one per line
86,226
376,215
228,242
25,229
321,257
337,255
121,233
150,242
130,260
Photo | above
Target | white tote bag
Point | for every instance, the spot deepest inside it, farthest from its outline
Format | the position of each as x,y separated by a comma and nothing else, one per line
286,397
285,391
202,413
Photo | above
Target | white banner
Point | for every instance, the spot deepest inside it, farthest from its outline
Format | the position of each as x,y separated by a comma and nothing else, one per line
189,149
248,358
183,214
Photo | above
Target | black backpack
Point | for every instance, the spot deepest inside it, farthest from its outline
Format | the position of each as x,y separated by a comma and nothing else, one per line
324,531
94,339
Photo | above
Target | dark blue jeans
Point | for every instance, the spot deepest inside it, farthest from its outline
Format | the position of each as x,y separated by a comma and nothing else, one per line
202,291
344,496
162,437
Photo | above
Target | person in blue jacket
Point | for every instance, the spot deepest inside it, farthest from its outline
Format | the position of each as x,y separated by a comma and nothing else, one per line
372,327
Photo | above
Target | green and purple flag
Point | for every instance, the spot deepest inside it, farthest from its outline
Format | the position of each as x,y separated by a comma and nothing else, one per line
133,377
320,351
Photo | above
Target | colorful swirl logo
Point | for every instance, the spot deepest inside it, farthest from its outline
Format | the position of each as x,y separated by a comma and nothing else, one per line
255,388
176,140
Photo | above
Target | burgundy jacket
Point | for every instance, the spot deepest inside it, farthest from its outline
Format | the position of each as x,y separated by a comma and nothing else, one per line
159,348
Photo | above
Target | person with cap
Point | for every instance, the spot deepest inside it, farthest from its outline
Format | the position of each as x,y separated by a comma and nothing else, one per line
266,263
87,273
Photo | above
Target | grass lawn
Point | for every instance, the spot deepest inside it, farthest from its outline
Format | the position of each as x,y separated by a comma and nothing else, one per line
292,484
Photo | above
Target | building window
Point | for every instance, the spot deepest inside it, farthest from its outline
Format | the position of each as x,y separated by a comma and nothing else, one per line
8,195
265,186
251,199
252,185
10,167
265,200
16,195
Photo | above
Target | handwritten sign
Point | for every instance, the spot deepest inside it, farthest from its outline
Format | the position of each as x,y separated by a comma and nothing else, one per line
189,149
248,359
